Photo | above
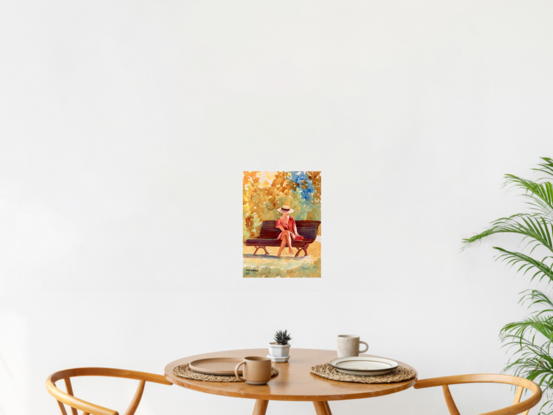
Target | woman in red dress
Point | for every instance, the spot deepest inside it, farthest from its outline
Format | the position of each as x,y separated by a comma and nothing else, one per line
289,231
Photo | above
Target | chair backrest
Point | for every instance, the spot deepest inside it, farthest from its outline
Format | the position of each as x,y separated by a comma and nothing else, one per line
516,408
306,228
88,408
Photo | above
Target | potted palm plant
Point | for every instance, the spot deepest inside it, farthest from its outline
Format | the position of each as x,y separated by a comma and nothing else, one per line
532,338
279,350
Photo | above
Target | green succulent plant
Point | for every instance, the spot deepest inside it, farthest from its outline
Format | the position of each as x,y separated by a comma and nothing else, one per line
282,337
531,339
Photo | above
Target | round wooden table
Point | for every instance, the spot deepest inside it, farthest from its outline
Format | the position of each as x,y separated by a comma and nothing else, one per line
295,382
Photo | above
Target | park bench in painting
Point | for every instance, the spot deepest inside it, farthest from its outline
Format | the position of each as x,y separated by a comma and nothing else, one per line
269,234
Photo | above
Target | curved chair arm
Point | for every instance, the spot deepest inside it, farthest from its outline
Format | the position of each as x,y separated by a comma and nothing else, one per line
109,372
476,378
515,409
86,407
90,408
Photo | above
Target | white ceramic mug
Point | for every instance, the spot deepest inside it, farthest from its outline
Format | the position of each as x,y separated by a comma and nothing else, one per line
348,345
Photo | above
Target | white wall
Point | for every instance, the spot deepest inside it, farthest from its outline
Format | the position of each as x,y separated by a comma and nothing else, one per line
125,127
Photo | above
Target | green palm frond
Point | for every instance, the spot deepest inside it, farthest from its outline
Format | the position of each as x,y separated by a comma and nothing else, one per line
532,363
533,228
546,167
538,368
527,263
535,324
540,195
536,297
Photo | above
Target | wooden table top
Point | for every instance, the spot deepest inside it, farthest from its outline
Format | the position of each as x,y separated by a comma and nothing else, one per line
295,382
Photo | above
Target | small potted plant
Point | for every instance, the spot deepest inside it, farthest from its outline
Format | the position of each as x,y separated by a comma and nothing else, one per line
280,348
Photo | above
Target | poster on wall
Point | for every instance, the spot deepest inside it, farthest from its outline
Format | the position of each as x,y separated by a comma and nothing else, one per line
281,224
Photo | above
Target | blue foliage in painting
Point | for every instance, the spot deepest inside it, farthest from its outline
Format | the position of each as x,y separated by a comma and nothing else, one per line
305,188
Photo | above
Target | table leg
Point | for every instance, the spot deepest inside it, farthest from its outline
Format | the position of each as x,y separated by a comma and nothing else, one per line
322,408
260,407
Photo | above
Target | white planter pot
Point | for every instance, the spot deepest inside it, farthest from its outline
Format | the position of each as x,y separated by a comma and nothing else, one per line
277,350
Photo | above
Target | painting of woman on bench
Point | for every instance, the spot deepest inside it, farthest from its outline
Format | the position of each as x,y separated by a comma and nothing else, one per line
282,214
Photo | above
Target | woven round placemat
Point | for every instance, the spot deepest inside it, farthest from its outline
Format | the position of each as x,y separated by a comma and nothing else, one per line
184,371
400,374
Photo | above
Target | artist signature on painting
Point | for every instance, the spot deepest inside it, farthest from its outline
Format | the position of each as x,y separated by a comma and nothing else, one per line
251,270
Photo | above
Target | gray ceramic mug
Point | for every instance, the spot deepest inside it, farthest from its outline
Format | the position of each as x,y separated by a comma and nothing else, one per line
348,345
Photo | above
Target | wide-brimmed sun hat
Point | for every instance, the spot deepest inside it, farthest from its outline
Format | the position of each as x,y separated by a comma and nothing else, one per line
285,209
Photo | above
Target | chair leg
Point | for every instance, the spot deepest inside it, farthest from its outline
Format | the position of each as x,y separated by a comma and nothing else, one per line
260,407
266,252
256,249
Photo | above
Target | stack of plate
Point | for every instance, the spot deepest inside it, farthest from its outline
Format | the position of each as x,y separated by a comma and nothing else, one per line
218,366
364,365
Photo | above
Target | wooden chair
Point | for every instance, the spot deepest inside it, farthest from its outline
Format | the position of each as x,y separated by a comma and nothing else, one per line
89,408
517,407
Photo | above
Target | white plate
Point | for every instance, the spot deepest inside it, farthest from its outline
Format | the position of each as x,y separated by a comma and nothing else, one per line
364,365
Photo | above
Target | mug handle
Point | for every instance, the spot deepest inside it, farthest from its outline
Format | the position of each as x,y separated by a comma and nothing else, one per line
243,362
365,343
